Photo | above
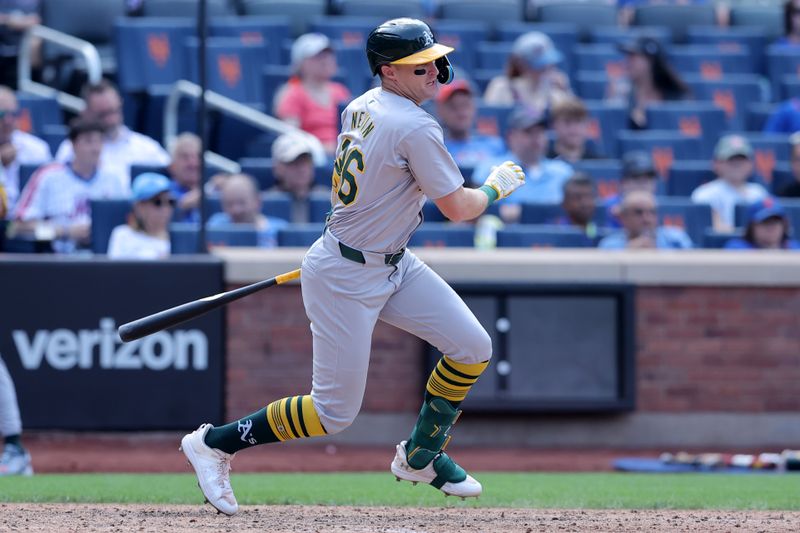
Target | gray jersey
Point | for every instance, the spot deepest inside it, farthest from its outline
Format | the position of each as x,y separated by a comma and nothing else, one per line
390,156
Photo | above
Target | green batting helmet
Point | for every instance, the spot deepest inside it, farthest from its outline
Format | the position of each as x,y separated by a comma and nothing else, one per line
407,41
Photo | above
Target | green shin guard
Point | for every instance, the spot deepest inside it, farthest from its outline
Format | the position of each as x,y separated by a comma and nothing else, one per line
430,437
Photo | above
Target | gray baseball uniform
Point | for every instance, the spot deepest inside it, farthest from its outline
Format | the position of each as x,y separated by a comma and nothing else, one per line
390,156
10,423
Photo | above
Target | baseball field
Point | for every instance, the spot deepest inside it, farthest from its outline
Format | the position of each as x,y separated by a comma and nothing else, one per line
374,502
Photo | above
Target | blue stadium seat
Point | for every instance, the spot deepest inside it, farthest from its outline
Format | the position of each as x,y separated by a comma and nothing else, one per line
106,215
185,8
37,112
614,35
300,12
675,17
54,135
732,94
766,18
665,147
693,218
276,204
590,85
748,39
685,176
271,31
782,61
154,112
770,151
184,236
151,51
382,9
464,36
606,174
756,115
232,68
349,30
586,15
354,70
492,56
781,177
703,122
443,234
25,173
790,86
710,62
319,205
495,12
141,169
714,240
606,120
431,213
260,168
272,78
300,235
491,120
537,213
542,236
599,58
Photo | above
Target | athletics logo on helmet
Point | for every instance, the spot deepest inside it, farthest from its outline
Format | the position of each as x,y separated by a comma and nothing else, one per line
407,41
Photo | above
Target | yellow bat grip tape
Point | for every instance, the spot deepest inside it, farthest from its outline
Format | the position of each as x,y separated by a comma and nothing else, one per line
289,276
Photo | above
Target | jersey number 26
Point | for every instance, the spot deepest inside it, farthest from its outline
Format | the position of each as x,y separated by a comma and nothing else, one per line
344,179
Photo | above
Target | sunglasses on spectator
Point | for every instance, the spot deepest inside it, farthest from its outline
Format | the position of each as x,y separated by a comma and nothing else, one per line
14,113
641,211
159,202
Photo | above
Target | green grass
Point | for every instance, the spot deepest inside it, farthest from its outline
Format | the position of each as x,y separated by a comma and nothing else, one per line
538,490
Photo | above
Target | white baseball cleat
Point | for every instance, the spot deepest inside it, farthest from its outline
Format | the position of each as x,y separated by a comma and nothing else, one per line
465,488
15,461
213,469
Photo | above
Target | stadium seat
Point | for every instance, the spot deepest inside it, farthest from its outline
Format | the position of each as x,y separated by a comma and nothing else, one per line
141,169
709,61
546,214
319,205
184,236
37,112
586,15
703,122
693,218
591,85
495,12
464,36
606,120
741,38
300,235
685,176
790,86
353,70
782,61
260,168
491,120
606,174
25,173
186,8
768,19
54,135
665,147
492,56
614,35
232,68
781,177
273,204
349,30
382,9
675,17
431,213
770,151
732,94
714,240
154,112
599,58
272,78
542,236
271,31
443,234
756,115
151,51
106,215
300,12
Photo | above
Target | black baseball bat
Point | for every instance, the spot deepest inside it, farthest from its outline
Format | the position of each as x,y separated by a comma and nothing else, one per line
181,313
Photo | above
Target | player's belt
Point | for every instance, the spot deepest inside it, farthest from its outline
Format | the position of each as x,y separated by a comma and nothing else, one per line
357,256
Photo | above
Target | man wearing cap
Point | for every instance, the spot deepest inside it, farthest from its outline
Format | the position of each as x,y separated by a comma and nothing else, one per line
526,138
638,174
456,110
293,168
391,157
146,235
640,229
531,77
55,202
767,228
310,100
733,165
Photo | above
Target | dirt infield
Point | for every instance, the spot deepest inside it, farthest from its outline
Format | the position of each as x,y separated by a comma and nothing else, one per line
319,519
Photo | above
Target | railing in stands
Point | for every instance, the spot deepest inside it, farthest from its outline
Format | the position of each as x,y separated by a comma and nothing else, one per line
182,89
77,46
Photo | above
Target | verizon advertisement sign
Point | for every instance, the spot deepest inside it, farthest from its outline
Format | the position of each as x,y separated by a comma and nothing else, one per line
71,370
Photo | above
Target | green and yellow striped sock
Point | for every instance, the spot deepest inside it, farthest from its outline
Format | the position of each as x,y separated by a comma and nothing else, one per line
452,380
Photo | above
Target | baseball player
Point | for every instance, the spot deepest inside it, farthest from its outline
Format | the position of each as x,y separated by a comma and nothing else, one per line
390,157
14,459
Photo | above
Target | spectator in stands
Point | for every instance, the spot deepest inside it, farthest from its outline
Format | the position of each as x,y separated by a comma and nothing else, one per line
293,168
580,197
122,147
16,17
733,165
569,119
526,138
638,174
792,190
146,235
640,229
456,109
785,119
241,204
55,202
649,79
532,78
310,100
185,169
791,24
767,229
627,9
16,146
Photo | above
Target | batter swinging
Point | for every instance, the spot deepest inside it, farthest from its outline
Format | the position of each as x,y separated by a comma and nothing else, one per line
390,157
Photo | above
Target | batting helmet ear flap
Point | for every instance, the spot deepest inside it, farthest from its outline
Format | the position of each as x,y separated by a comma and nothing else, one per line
446,73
